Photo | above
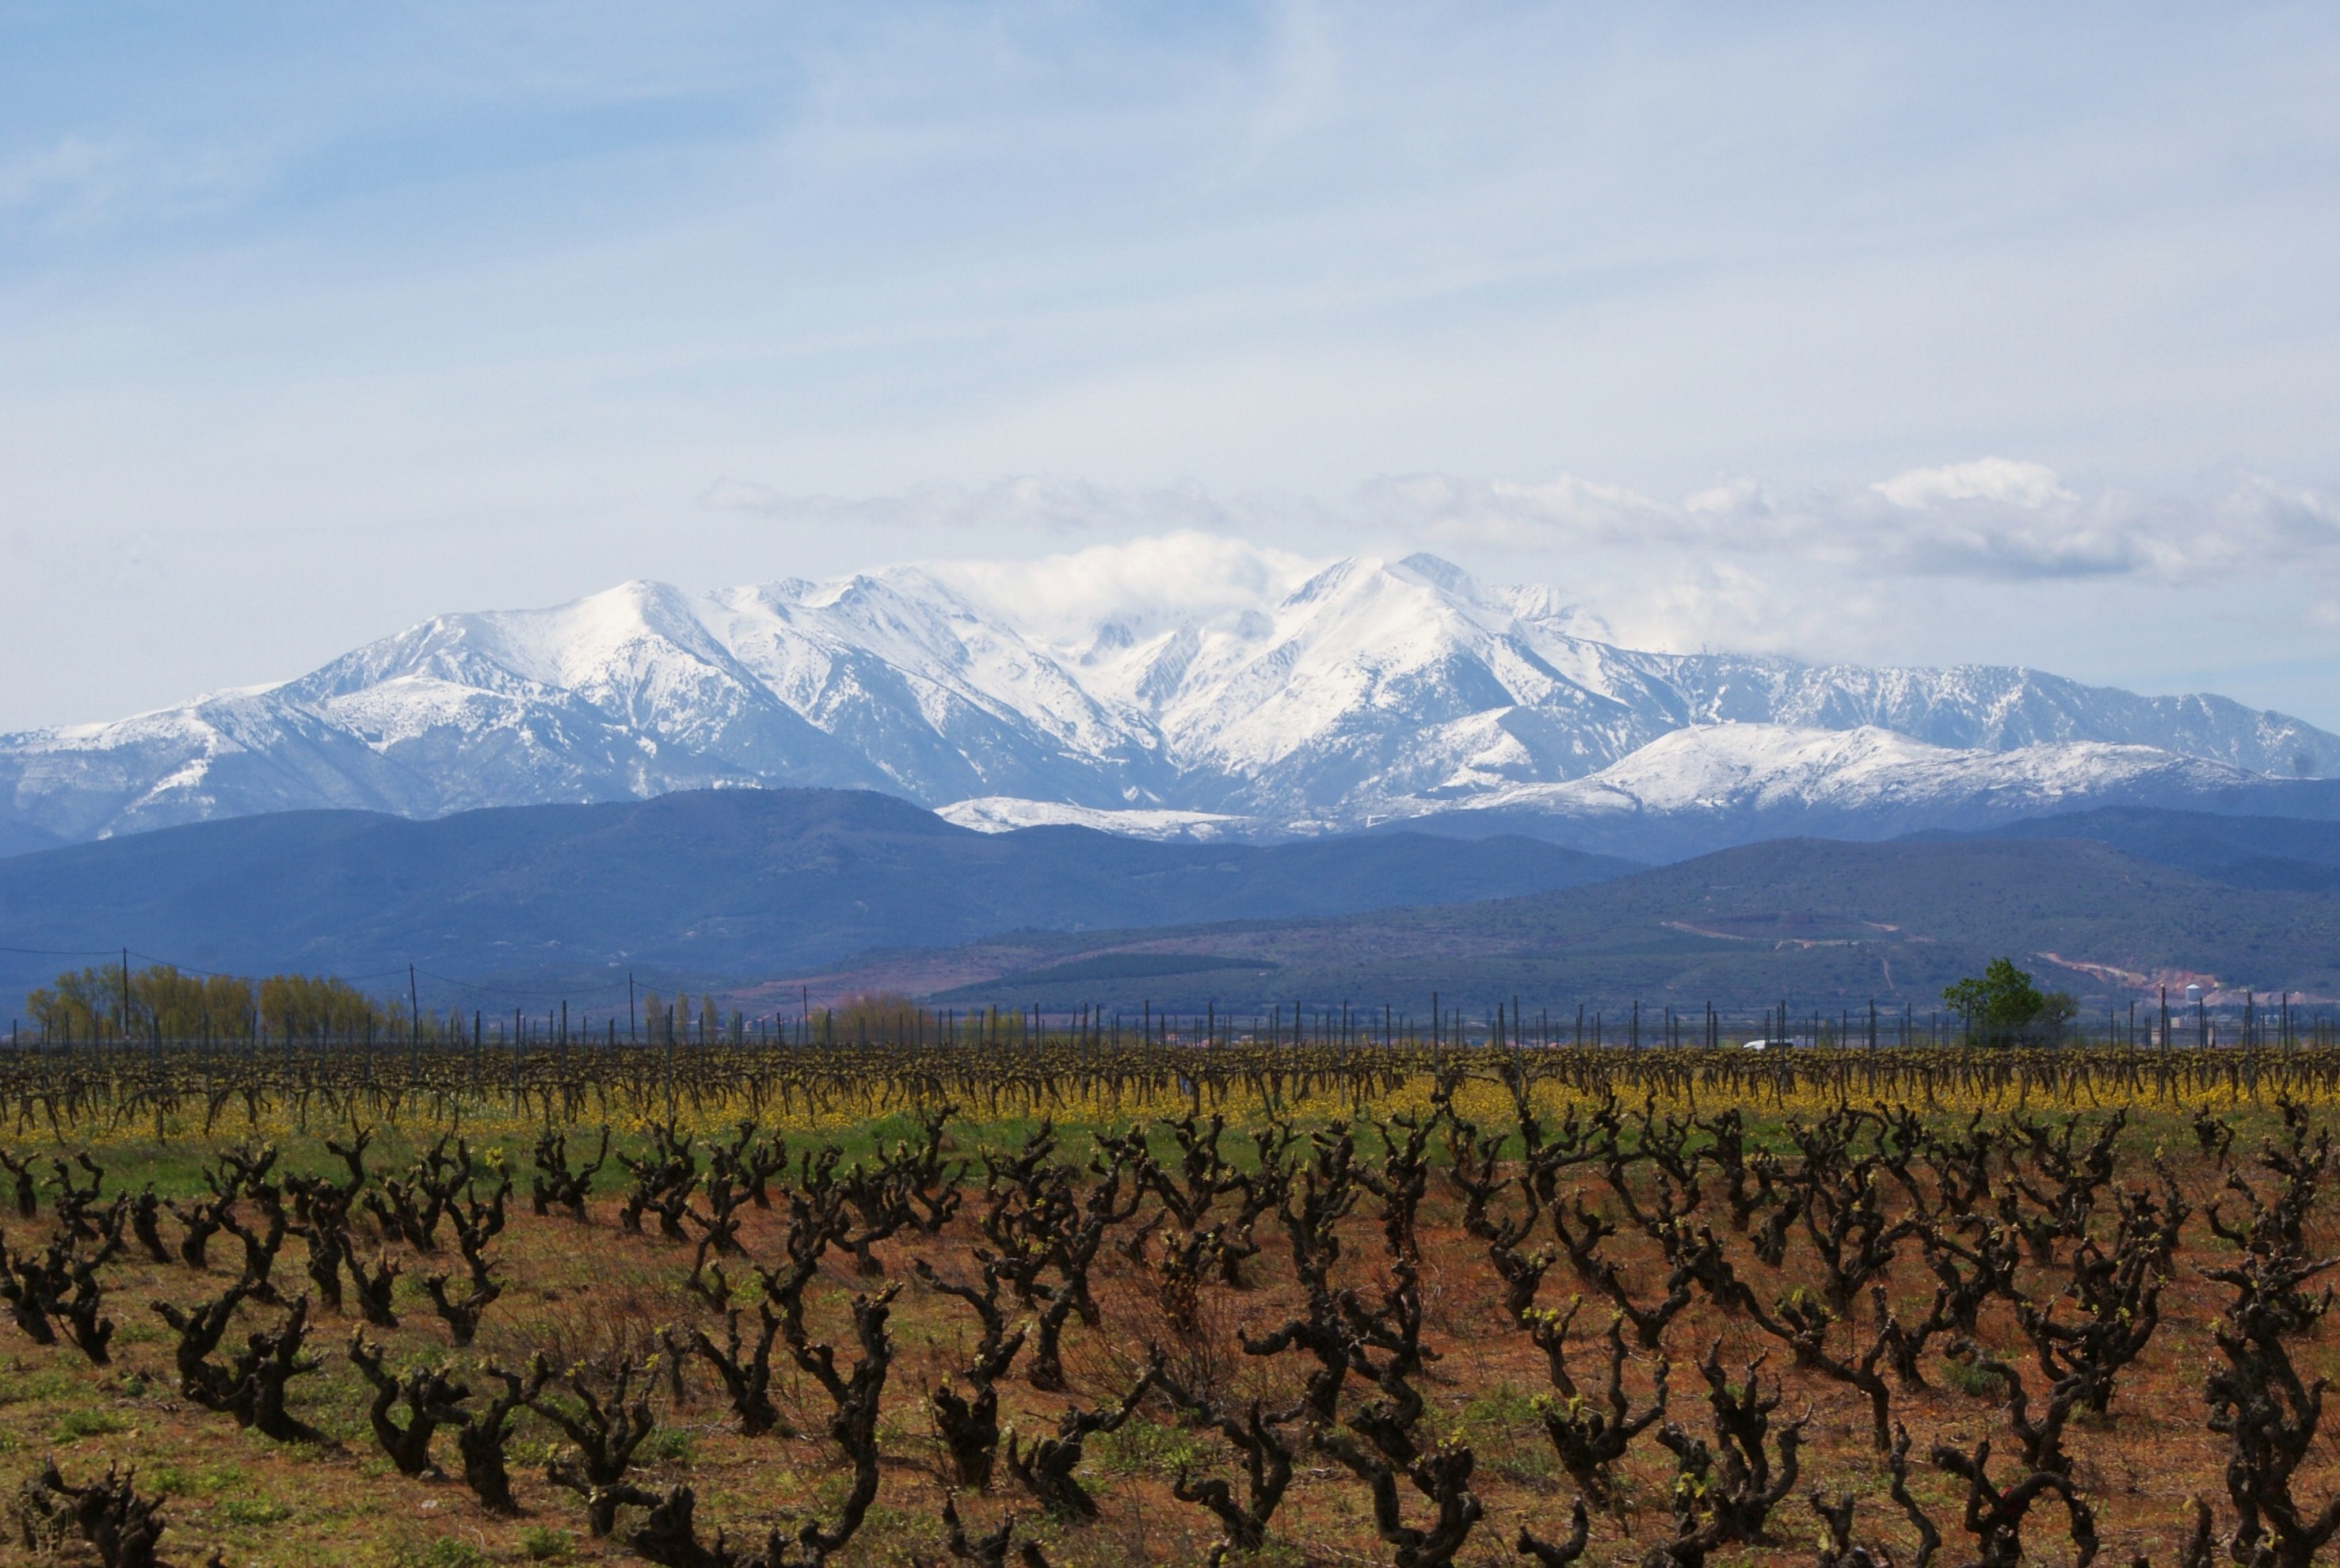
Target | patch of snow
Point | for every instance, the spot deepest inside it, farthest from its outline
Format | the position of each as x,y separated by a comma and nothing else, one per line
1004,813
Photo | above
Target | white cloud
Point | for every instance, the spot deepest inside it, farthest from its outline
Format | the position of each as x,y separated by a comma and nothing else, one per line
1731,606
1155,582
1743,565
1994,517
1999,479
1147,585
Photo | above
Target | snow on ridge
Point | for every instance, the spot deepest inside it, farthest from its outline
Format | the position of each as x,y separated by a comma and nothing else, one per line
1006,814
1739,767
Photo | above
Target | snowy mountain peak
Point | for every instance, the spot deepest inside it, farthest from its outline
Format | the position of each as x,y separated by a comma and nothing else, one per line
1188,677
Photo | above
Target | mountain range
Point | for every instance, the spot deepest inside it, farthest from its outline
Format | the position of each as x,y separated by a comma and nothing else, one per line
1292,702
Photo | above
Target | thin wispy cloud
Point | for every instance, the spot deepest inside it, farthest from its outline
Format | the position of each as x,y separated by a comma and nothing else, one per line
1989,560
76,183
1992,519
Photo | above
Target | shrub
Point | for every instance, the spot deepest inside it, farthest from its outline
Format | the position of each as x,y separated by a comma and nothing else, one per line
544,1544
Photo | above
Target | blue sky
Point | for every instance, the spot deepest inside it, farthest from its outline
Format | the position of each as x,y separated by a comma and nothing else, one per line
1892,333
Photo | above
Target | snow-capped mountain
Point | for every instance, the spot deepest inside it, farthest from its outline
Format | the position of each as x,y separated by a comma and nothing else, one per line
1301,699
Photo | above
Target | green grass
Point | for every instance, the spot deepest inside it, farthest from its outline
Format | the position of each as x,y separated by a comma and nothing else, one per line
446,1552
252,1511
76,1424
1142,1447
1502,1408
177,1481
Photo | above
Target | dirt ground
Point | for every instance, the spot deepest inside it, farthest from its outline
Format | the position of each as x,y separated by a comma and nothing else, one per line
591,1293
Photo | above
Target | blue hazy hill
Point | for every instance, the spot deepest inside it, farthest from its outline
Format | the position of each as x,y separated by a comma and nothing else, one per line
701,884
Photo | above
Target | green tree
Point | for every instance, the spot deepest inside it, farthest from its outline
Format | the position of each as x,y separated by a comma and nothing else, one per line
2001,1005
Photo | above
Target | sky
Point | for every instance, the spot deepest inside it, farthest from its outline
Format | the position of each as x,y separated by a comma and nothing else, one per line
1893,334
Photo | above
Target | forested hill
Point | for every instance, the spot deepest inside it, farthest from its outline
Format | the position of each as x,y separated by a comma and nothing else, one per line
1813,920
697,885
2299,853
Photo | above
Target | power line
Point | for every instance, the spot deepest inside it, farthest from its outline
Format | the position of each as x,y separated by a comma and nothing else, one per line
233,974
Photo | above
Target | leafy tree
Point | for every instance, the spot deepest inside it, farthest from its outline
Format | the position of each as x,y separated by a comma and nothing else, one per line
90,1003
318,1007
2001,1005
2061,1008
181,1006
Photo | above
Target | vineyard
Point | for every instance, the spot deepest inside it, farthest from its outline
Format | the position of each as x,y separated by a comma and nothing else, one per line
1043,1297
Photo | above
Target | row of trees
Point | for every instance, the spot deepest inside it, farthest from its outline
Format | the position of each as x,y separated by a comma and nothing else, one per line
2001,1006
117,1002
